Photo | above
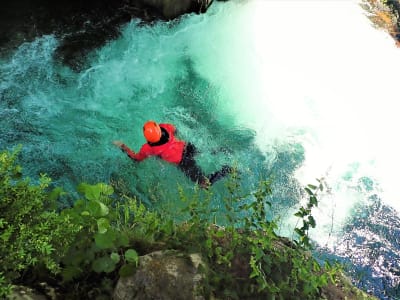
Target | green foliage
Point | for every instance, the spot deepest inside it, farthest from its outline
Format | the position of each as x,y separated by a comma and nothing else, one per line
5,287
305,214
278,269
32,234
248,259
109,227
97,241
103,234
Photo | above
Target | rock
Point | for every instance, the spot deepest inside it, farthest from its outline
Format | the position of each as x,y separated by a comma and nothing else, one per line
171,9
25,293
384,15
82,26
166,275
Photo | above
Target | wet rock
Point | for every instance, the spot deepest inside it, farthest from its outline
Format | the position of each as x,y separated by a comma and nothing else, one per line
384,15
25,293
173,9
82,26
167,275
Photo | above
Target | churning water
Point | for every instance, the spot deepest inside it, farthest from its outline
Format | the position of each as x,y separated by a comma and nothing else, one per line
296,90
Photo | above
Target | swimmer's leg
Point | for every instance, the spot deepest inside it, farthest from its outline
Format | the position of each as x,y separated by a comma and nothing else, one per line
190,168
225,170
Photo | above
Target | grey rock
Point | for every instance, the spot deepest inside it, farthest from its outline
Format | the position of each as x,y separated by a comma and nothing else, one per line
164,275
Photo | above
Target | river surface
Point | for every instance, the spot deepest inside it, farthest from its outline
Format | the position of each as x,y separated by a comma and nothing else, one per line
288,90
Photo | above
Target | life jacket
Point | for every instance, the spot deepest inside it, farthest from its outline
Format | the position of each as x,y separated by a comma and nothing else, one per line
170,150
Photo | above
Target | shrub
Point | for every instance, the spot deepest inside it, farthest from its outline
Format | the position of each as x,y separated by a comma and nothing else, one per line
246,257
32,233
101,244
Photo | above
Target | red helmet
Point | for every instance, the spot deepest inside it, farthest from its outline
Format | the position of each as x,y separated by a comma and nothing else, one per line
152,131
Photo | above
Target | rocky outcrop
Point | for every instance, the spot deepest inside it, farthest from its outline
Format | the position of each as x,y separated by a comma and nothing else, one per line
25,293
384,15
171,9
167,275
82,25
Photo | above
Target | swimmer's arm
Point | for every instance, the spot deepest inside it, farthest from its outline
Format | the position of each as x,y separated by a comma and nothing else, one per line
142,154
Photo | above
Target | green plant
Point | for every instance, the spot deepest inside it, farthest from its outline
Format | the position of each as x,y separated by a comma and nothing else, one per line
32,233
100,245
5,286
277,268
305,214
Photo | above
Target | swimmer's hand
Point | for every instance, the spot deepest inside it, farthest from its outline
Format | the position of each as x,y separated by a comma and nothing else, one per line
119,144
124,148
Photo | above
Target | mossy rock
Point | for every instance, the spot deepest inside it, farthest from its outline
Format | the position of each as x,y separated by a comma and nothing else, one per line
167,275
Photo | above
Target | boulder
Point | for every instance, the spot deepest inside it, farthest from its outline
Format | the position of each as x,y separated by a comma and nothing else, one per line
25,293
164,275
171,9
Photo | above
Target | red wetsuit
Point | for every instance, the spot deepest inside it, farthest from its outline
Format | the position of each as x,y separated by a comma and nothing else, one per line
178,152
170,151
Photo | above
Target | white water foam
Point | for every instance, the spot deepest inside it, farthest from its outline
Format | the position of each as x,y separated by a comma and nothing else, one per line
317,73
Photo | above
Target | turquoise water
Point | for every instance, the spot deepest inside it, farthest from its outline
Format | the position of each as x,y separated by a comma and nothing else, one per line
66,121
255,84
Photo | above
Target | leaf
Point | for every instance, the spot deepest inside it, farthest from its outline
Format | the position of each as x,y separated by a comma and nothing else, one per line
219,234
298,214
127,270
313,201
89,191
56,193
311,186
305,240
103,224
105,240
258,253
253,274
97,208
103,209
70,272
115,257
131,256
169,227
105,189
103,264
122,240
79,204
75,257
299,232
311,220
310,192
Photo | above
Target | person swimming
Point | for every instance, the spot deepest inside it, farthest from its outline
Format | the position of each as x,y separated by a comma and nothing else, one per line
161,142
